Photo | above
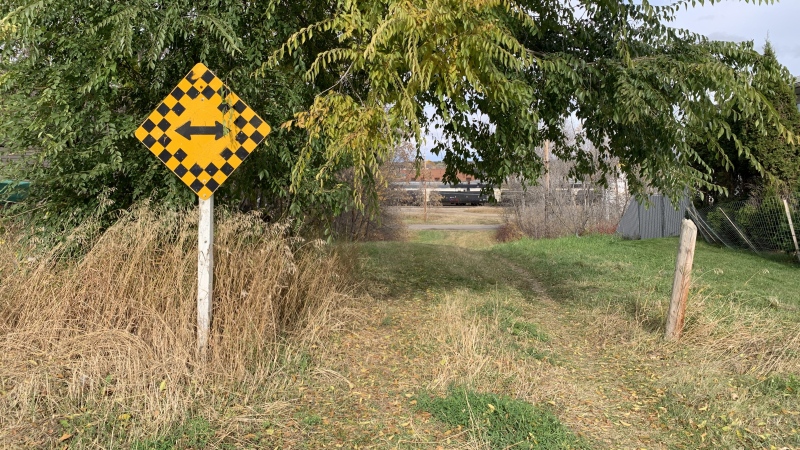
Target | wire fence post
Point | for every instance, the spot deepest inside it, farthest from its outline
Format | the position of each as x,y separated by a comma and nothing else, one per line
791,227
742,235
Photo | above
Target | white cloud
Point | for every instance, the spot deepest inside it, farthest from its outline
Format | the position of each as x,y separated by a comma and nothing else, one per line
736,20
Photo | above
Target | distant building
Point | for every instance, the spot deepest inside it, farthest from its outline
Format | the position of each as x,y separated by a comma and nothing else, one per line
429,180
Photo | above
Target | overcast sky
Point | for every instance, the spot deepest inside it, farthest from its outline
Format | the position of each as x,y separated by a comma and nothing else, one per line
737,21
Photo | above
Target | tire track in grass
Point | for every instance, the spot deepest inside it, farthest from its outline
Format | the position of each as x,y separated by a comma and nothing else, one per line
605,394
363,393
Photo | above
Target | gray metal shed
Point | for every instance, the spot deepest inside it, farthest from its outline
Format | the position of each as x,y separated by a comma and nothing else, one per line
660,219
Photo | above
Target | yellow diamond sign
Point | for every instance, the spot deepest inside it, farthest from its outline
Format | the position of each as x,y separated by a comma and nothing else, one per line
202,131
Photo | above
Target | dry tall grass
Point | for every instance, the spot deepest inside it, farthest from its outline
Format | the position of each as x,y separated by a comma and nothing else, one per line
726,337
477,351
112,334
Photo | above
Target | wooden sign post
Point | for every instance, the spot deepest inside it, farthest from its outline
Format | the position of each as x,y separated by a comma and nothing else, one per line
202,132
683,276
205,272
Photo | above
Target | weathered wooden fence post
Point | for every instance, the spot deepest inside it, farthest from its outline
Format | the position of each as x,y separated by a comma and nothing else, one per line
683,276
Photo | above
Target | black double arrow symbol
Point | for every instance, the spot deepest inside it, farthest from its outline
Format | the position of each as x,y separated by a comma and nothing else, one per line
187,130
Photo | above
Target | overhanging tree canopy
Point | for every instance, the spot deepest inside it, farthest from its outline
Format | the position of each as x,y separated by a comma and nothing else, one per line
78,76
779,158
503,75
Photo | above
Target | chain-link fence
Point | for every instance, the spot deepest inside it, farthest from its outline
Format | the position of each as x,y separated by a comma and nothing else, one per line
565,208
758,224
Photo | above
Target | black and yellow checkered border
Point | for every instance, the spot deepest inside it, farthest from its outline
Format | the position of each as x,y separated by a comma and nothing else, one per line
247,128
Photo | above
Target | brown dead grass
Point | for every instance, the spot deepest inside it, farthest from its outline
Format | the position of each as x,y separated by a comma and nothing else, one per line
463,215
462,239
706,384
509,232
113,332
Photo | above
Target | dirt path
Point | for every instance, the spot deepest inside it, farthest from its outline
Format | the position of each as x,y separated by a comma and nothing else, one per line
364,398
603,390
451,227
363,394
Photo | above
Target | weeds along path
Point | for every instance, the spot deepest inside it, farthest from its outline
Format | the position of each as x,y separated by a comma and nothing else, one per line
112,362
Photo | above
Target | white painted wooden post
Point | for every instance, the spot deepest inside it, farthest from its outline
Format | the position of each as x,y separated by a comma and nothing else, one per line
205,273
683,276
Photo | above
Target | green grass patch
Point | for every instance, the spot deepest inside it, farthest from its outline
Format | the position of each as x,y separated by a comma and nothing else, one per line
431,236
788,386
312,420
195,433
409,269
607,269
501,421
82,429
543,355
510,320
524,329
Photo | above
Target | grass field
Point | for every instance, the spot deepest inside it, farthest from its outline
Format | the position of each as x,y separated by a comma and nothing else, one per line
731,381
611,270
445,341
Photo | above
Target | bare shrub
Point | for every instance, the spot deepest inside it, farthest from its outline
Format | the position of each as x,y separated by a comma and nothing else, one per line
567,208
556,204
114,332
378,220
373,223
509,231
